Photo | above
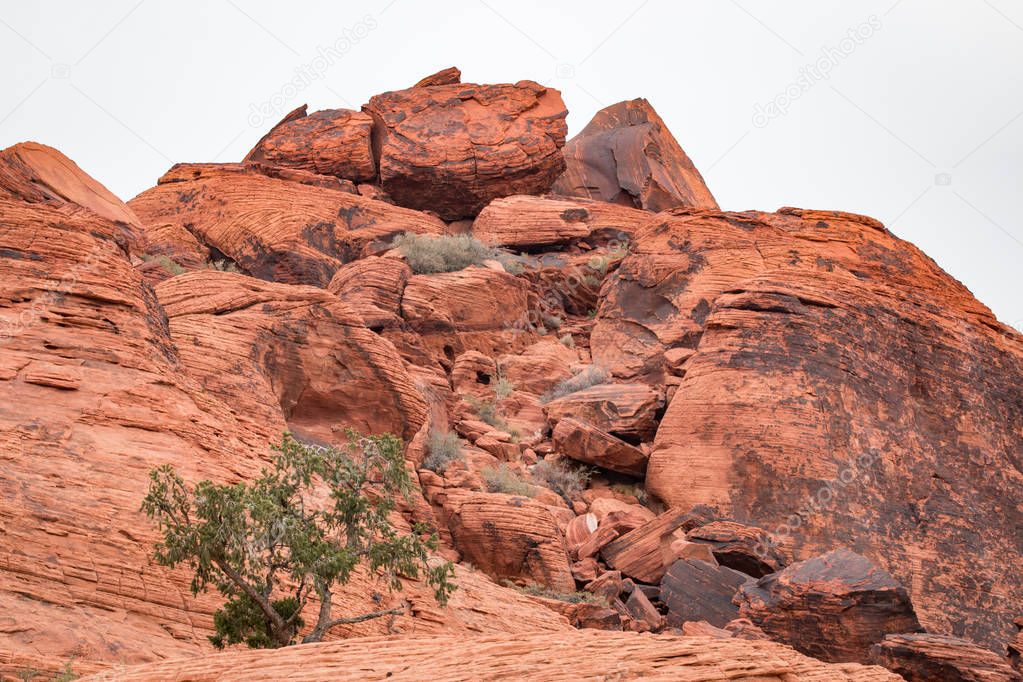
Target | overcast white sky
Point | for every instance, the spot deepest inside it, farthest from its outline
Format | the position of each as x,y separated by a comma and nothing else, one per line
918,121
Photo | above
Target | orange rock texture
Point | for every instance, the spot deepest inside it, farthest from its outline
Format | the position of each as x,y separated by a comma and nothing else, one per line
659,440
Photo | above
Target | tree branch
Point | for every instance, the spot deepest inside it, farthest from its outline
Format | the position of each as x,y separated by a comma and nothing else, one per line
319,631
264,604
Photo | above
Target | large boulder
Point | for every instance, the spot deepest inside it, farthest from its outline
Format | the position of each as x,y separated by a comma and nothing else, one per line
745,548
276,350
694,590
831,369
586,443
919,657
329,142
627,155
452,148
273,228
511,538
833,607
529,222
644,553
628,411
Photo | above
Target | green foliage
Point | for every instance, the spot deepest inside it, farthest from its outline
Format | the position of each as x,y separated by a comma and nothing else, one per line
442,448
591,313
567,480
504,479
486,410
67,674
255,541
427,254
590,376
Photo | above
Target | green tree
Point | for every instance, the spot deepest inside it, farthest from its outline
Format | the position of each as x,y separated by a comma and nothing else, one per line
298,530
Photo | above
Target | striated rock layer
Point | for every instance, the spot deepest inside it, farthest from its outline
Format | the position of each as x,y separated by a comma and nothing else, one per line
843,390
576,655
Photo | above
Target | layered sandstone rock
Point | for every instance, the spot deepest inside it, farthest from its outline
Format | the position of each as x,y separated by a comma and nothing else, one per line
529,222
329,142
923,658
578,655
694,590
374,287
510,537
274,350
276,229
832,607
644,553
744,548
626,155
585,443
629,411
831,360
452,148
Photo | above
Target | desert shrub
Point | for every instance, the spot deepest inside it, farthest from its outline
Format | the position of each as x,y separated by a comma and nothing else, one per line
66,674
486,410
223,266
567,341
634,489
564,478
443,448
504,479
576,597
590,376
268,546
503,388
165,262
552,321
513,265
427,254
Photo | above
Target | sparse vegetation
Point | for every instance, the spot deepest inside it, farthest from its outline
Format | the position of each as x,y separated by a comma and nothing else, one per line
633,489
169,265
269,545
514,265
504,479
503,388
443,448
568,341
591,313
486,410
66,674
223,266
564,478
428,254
590,376
577,597
552,322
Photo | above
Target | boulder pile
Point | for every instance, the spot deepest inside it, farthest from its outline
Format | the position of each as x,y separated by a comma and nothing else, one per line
661,440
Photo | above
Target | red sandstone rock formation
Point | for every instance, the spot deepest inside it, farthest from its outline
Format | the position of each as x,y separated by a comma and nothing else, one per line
626,155
833,607
922,658
579,655
454,147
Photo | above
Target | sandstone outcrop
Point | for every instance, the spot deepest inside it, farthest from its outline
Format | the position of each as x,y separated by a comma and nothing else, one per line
330,142
275,229
694,590
629,411
833,607
452,148
822,402
744,548
578,655
530,222
626,155
923,658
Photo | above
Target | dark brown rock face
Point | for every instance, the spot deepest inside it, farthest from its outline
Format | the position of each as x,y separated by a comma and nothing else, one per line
453,148
694,590
627,155
832,607
925,658
328,142
744,548
843,389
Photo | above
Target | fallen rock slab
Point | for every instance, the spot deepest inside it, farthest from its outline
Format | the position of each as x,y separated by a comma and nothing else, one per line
640,553
695,590
588,444
627,411
745,548
833,607
926,657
